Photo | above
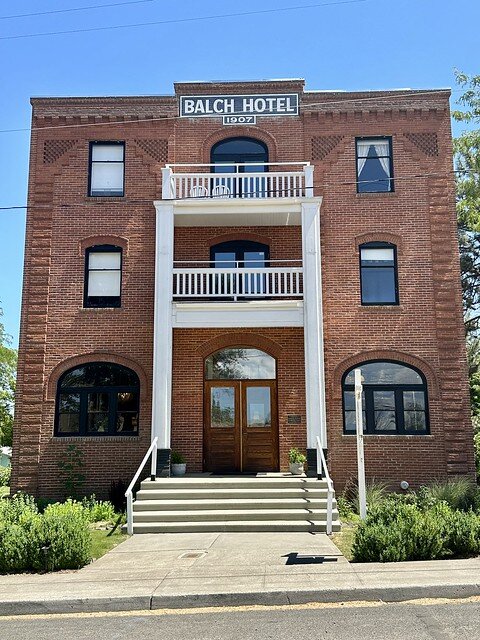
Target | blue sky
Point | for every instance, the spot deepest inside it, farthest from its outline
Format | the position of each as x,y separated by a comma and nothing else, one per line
372,44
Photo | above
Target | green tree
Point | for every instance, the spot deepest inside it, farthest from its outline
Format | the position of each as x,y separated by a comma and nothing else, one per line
8,368
467,165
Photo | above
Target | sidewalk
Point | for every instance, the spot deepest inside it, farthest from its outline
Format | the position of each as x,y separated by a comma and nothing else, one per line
213,569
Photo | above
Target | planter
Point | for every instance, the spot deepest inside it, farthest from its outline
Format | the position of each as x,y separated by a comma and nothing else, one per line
179,469
296,468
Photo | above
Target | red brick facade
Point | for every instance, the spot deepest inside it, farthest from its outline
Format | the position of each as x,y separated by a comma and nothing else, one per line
425,329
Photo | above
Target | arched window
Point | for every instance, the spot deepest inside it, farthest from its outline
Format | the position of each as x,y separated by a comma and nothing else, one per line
240,155
240,363
97,399
394,399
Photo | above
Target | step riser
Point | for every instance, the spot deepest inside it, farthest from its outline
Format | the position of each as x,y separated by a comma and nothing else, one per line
175,484
202,516
229,494
171,505
214,527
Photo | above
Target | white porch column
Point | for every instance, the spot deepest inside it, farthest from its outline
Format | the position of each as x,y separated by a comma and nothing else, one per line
162,331
313,325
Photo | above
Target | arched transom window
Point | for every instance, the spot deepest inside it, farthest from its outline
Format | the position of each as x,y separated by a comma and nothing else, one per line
240,363
97,399
394,399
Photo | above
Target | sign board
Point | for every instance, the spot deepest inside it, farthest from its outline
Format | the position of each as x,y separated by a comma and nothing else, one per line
246,106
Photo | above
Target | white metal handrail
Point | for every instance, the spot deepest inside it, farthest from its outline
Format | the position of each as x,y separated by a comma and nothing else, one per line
322,469
152,450
251,282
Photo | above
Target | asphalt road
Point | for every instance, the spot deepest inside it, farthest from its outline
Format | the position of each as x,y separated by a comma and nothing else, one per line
424,620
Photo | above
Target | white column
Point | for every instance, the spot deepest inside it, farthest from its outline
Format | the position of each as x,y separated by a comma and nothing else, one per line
162,330
313,325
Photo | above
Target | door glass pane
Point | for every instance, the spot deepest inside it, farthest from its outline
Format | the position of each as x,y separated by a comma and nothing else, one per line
237,363
384,410
259,412
225,260
222,407
97,417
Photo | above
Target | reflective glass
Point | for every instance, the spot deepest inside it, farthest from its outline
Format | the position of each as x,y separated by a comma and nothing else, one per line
106,152
99,374
104,260
222,407
239,363
378,285
385,373
258,407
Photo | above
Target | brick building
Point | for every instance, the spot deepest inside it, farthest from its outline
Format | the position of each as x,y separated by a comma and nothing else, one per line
208,268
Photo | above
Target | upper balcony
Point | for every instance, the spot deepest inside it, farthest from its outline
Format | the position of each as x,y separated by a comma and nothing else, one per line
253,181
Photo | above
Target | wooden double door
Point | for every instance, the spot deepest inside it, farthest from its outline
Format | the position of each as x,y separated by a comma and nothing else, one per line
241,426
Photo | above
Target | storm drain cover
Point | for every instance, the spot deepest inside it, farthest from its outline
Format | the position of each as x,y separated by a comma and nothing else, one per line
193,554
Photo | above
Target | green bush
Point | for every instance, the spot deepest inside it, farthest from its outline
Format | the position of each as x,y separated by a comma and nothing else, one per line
98,510
396,531
5,473
458,493
476,444
66,536
30,541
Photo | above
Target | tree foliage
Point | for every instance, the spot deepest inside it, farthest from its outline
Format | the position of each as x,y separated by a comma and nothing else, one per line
8,368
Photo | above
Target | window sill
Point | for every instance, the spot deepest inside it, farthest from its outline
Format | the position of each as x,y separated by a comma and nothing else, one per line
97,309
394,436
104,198
389,308
129,438
377,194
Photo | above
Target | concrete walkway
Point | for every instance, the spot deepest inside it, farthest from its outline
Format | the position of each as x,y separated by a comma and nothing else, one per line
211,569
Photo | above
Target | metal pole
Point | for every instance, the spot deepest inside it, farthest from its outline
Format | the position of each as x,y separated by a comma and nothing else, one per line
362,495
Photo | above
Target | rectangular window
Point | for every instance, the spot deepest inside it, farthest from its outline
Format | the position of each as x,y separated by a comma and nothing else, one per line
414,411
107,169
378,274
349,412
68,413
374,165
103,276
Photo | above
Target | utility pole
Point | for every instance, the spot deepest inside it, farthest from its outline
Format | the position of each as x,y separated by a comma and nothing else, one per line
362,494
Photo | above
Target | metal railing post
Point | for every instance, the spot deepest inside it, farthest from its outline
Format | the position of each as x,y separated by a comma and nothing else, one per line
153,468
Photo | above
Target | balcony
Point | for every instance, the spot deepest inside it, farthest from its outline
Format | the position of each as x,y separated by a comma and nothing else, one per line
255,181
282,280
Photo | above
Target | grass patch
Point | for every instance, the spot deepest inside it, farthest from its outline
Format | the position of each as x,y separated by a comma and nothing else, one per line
344,539
104,540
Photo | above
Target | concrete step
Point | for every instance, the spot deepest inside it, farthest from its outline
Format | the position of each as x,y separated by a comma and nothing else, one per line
235,482
244,493
233,526
217,515
227,504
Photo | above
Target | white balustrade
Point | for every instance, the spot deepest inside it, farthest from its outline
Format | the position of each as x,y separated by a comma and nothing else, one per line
180,184
234,283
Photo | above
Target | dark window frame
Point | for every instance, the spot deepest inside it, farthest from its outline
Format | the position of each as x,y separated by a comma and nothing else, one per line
369,408
105,302
391,180
231,159
83,392
240,247
379,245
90,162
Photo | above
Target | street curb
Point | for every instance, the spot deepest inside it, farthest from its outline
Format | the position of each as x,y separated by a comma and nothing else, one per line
268,598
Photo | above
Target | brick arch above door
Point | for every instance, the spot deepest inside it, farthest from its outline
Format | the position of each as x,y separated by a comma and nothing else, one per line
240,339
238,132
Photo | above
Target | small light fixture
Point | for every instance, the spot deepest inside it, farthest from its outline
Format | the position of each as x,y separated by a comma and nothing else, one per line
404,485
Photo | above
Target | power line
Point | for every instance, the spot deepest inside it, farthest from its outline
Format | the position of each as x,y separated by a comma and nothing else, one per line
183,20
273,191
94,6
306,106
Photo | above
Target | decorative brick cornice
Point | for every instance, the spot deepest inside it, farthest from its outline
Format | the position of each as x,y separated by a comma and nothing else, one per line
239,339
378,236
94,356
156,149
383,354
323,145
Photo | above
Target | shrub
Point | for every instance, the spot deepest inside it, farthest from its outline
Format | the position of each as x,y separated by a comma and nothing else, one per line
476,444
376,492
66,536
345,509
177,458
71,470
5,473
98,510
462,534
458,493
295,456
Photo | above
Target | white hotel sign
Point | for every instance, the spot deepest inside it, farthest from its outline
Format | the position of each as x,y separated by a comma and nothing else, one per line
239,109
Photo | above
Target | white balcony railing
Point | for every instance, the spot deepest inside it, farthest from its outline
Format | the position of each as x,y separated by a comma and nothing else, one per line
254,180
235,283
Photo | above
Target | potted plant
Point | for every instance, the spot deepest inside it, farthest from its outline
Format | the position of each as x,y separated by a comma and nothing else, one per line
297,460
178,464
